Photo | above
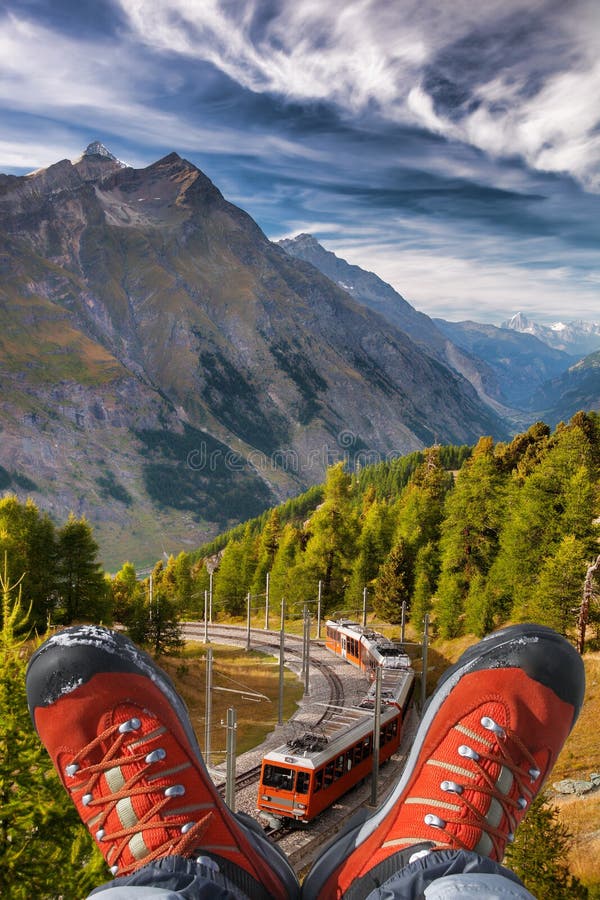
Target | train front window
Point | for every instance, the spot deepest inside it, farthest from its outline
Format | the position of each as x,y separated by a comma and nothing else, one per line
278,777
302,782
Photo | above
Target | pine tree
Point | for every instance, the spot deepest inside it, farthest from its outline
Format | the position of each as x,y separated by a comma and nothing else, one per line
474,514
81,582
393,585
267,548
539,854
556,596
229,588
373,545
283,563
154,623
331,545
426,573
126,594
29,540
420,508
45,852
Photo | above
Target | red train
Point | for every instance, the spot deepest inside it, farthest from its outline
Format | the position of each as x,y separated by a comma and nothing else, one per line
310,772
364,647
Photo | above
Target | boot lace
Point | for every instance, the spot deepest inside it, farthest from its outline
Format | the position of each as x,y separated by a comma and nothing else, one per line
524,778
180,839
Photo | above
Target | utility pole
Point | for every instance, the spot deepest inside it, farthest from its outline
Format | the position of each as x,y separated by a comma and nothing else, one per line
267,601
319,612
248,598
364,614
306,650
303,667
376,736
206,641
424,662
403,625
281,662
208,705
230,757
210,596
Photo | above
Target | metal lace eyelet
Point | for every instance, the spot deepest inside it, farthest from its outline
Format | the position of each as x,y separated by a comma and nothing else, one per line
156,755
452,787
434,821
130,725
468,752
176,790
490,725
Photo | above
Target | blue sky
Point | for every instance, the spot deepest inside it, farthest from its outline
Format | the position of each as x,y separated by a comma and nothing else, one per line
452,147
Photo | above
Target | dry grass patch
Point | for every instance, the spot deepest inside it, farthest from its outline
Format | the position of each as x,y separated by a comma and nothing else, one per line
581,754
239,672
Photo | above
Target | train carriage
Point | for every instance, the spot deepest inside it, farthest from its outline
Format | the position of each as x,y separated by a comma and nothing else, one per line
305,776
363,647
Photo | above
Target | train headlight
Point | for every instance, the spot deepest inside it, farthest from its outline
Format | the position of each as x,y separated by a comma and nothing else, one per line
265,797
301,806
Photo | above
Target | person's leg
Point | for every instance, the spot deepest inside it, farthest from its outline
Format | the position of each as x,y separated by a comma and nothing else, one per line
488,738
124,748
172,878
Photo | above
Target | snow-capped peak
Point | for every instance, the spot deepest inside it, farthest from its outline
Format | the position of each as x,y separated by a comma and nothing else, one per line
97,148
576,337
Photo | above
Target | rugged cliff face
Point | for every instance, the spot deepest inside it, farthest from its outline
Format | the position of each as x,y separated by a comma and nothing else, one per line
166,370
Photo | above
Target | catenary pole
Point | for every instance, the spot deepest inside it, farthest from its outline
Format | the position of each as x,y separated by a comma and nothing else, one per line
267,585
248,599
376,736
230,757
281,663
208,705
424,662
319,612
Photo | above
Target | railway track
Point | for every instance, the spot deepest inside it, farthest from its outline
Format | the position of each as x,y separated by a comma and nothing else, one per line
269,641
304,843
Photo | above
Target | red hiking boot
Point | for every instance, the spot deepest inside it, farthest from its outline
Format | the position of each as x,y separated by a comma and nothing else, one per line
488,739
123,745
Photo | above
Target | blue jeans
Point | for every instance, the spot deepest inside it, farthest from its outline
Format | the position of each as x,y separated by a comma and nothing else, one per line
443,875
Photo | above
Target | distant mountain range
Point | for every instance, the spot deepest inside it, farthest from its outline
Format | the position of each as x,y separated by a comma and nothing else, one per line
576,338
521,370
166,370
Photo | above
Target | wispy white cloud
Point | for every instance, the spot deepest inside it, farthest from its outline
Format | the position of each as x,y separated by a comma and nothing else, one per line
451,286
370,55
102,86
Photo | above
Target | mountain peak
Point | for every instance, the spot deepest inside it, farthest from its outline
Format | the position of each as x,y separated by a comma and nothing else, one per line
95,150
518,322
307,241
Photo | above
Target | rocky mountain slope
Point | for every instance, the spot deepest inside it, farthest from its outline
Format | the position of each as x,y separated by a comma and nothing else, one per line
577,388
166,370
521,363
504,367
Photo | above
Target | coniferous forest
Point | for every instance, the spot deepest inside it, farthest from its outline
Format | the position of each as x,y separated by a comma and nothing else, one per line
471,536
